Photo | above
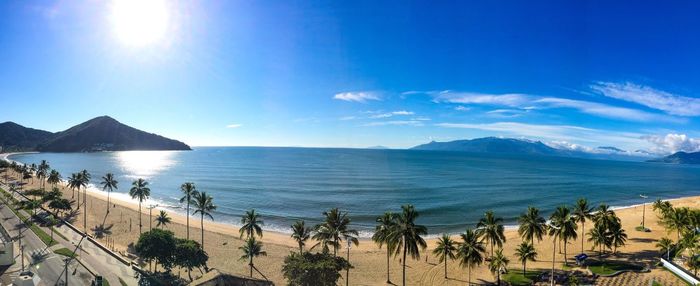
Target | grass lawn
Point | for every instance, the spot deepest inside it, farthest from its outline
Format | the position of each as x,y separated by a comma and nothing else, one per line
515,276
122,282
610,267
65,252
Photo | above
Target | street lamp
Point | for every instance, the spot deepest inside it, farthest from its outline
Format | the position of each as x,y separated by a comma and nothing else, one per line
644,208
554,249
150,219
347,271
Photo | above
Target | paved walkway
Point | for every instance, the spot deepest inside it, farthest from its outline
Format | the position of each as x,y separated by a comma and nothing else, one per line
642,279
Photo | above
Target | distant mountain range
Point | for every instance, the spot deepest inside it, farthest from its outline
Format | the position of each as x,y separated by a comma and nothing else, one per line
680,158
98,134
520,146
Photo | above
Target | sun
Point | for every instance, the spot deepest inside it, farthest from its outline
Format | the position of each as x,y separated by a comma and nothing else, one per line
140,22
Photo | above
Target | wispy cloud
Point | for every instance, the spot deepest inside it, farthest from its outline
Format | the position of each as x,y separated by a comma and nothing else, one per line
650,97
462,108
361,96
396,122
671,143
530,102
390,114
235,125
346,118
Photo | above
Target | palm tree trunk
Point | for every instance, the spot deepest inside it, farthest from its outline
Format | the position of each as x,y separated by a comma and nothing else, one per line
301,249
139,216
492,248
583,231
188,218
251,266
469,274
108,200
202,221
524,269
445,267
78,197
387,265
404,262
498,275
565,261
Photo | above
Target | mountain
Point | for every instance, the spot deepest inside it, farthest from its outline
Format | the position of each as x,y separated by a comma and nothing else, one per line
107,134
519,146
17,138
492,145
680,158
378,147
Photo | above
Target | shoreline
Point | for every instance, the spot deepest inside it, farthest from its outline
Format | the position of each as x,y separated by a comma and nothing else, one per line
177,212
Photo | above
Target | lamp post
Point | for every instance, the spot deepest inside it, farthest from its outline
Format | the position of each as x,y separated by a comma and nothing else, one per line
150,219
347,271
644,208
554,249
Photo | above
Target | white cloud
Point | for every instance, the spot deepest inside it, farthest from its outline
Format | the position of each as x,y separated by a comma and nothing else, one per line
381,115
345,118
235,125
531,102
402,112
564,145
421,118
396,122
362,96
649,97
390,114
462,108
672,143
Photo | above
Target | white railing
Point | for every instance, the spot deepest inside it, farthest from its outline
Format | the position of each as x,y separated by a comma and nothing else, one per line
681,272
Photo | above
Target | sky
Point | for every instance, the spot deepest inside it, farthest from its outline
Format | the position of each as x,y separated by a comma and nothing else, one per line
573,74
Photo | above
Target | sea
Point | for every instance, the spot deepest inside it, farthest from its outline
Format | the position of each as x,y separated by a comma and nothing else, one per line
451,190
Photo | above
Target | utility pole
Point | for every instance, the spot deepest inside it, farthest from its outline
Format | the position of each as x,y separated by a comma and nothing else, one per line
347,271
150,218
644,208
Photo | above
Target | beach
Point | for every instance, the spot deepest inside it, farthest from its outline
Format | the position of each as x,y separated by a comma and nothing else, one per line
369,262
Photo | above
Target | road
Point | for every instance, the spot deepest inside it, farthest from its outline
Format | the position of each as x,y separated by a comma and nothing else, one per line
38,258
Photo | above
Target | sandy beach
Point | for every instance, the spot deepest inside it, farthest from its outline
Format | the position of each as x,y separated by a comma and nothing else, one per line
222,242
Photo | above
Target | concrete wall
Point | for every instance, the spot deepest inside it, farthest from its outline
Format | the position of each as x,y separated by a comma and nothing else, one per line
681,272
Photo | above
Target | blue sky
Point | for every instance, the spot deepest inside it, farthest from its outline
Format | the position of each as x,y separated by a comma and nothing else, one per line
575,74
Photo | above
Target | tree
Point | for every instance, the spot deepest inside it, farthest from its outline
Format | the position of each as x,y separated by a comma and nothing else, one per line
445,250
470,252
141,192
334,229
382,235
252,224
666,246
83,181
188,190
605,216
526,252
189,255
251,248
60,205
599,236
582,212
532,225
162,220
109,184
158,245
54,194
677,219
565,226
618,237
490,228
301,233
694,264
407,235
204,206
663,207
42,172
313,269
54,178
73,183
498,264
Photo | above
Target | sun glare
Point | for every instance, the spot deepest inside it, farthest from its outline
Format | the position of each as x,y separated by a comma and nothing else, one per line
140,22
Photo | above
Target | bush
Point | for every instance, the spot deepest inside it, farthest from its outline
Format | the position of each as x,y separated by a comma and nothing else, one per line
310,269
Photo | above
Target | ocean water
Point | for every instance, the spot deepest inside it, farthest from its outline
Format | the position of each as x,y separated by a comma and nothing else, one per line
451,190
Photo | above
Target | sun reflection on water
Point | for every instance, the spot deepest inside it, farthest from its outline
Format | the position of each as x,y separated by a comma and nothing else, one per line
145,164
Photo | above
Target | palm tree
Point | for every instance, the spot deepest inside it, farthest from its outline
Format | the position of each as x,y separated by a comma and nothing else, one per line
445,250
526,252
532,225
42,172
204,206
382,235
407,235
665,246
162,219
188,190
251,249
490,228
73,183
677,219
334,229
605,216
664,207
618,237
565,226
599,236
582,212
694,264
301,233
109,183
141,192
469,252
498,263
252,224
54,178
